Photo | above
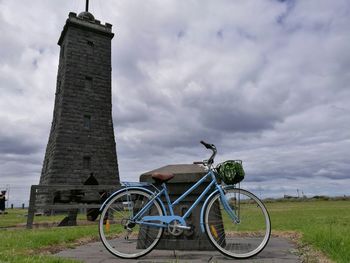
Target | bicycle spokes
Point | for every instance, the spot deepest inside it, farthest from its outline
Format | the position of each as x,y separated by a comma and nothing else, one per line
123,236
247,234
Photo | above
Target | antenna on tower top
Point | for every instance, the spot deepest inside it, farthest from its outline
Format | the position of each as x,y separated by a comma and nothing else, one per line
87,6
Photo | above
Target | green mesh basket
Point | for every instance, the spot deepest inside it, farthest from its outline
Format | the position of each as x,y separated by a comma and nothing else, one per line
231,171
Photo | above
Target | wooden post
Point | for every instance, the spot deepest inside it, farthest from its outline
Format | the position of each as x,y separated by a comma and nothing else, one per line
31,208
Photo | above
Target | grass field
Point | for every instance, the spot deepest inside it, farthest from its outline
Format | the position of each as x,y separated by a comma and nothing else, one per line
32,245
22,245
17,217
323,224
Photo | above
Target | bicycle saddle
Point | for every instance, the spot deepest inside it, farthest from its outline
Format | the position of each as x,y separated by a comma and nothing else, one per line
162,177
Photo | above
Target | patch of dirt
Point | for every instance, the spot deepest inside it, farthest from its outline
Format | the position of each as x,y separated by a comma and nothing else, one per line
306,252
292,235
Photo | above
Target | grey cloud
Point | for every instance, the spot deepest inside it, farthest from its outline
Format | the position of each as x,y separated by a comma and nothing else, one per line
231,120
267,82
19,146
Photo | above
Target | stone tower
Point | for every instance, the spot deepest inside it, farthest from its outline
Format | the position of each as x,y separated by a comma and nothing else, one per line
81,147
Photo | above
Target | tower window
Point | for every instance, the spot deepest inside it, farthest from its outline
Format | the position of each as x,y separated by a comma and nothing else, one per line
88,83
87,121
90,47
87,162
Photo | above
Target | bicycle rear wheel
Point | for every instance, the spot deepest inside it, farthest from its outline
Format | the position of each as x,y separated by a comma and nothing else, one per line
242,239
120,234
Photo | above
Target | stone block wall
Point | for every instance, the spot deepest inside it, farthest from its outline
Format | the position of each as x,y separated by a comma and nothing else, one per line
81,141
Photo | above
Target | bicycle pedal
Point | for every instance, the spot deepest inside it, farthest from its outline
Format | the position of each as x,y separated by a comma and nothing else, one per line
184,227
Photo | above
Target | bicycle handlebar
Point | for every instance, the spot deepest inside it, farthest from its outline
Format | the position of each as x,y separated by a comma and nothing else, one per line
207,145
210,147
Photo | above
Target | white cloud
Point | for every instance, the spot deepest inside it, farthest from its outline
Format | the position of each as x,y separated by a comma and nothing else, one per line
267,81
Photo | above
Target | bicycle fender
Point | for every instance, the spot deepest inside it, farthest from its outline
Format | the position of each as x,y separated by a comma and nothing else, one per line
203,209
132,188
206,203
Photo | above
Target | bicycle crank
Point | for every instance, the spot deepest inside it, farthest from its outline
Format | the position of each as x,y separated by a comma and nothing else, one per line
176,229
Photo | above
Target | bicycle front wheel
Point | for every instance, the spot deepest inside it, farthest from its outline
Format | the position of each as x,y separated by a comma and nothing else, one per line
241,238
120,233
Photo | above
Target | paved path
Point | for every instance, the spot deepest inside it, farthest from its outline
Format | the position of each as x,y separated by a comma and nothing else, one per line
278,250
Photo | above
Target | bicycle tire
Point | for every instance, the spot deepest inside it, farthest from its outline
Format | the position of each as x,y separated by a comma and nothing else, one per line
237,240
115,221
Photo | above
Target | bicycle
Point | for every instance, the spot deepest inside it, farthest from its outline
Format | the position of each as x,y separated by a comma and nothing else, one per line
134,218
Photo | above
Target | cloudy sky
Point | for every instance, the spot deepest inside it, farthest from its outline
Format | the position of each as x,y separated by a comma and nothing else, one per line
265,81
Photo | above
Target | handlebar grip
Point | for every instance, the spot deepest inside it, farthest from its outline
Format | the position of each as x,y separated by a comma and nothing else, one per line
198,162
207,145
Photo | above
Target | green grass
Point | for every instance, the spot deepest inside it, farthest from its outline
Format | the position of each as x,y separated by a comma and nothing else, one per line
21,245
324,224
18,217
14,217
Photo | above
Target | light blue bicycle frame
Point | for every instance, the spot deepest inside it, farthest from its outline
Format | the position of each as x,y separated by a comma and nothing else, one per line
153,221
